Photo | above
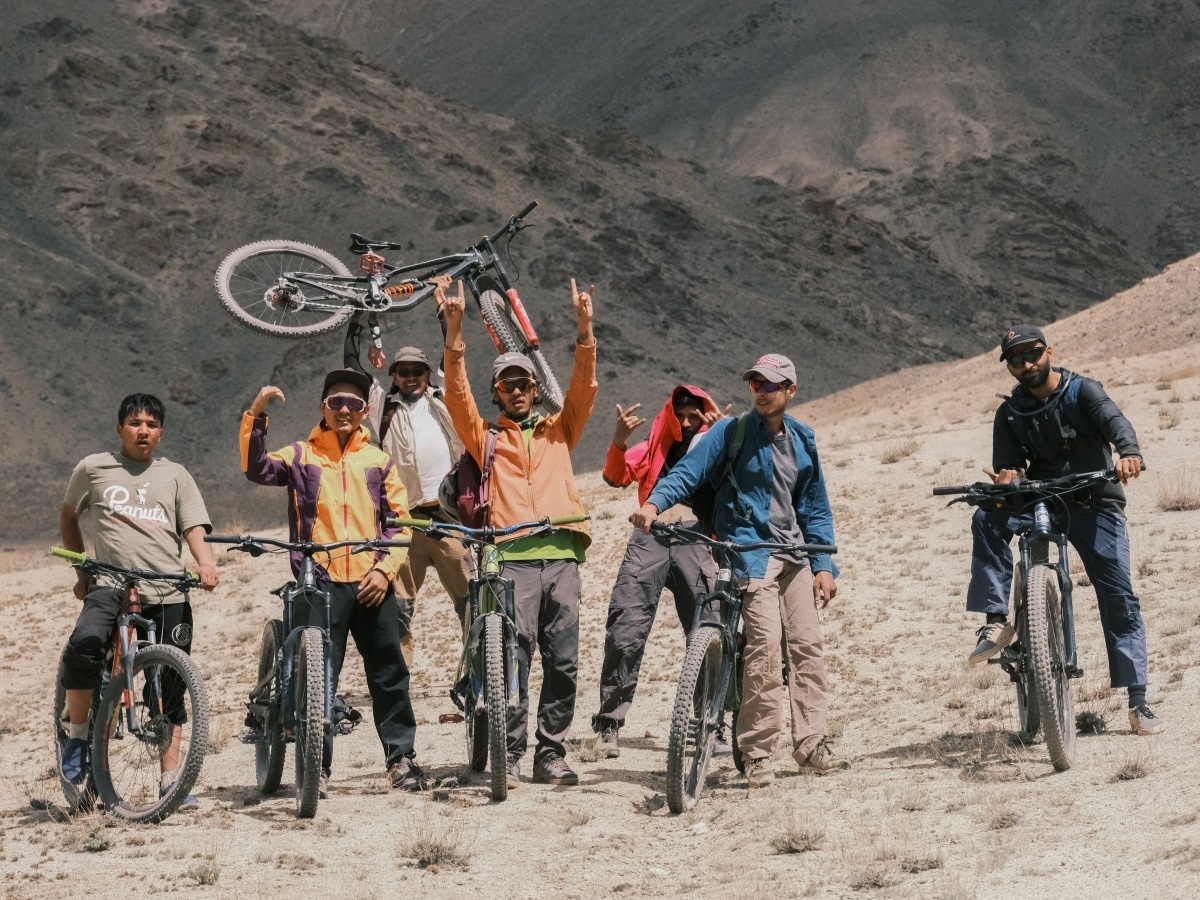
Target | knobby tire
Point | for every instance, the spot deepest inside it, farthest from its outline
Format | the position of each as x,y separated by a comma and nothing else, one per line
1028,711
475,713
495,309
497,704
80,797
694,719
308,680
271,748
248,273
1048,663
168,692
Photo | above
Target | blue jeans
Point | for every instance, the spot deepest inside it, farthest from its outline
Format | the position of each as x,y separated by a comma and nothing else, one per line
1098,536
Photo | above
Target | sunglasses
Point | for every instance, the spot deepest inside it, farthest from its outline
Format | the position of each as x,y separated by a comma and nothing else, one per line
349,402
409,373
1021,360
761,386
508,385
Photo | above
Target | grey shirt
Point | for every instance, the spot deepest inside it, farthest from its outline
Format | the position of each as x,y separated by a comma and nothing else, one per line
785,471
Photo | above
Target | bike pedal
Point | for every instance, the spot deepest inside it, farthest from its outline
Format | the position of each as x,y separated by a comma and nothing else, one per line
1075,672
250,736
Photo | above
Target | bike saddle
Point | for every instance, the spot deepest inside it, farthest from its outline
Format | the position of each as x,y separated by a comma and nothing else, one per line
360,244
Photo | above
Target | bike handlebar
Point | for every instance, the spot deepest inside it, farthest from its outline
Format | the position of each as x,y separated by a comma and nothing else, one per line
699,537
488,534
1046,486
257,546
182,580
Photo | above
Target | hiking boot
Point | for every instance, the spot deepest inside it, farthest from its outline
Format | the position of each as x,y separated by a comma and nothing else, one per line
551,768
406,775
75,760
1144,722
513,768
167,782
607,743
759,773
822,760
992,639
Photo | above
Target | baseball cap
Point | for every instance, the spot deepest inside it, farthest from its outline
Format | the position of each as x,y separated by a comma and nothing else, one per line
1018,335
510,361
347,376
772,367
411,355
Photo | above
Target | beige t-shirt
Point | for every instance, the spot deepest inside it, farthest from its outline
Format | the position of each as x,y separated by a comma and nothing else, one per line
137,511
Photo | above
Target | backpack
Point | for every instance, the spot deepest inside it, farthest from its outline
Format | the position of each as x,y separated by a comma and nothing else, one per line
704,498
1067,403
465,493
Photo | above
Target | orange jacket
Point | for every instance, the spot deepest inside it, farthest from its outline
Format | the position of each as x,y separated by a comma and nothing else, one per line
332,496
527,486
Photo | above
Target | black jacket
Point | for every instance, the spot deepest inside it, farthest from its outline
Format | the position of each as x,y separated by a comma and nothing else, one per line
1073,430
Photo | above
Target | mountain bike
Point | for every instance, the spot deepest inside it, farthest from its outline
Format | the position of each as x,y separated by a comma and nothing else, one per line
287,289
293,700
148,717
1042,660
487,683
710,682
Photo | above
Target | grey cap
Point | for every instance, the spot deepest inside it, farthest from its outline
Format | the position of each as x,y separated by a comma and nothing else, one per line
347,376
772,367
410,354
510,361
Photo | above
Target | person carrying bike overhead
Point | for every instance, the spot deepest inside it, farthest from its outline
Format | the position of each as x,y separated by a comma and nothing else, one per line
649,566
342,488
1054,423
532,478
140,508
775,492
413,427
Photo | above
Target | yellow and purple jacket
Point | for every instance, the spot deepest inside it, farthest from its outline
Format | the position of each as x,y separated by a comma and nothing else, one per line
332,495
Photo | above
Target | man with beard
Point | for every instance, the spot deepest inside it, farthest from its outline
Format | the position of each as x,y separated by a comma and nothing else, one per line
413,427
1057,422
648,567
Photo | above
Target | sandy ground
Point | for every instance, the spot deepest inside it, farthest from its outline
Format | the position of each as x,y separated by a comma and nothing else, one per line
941,801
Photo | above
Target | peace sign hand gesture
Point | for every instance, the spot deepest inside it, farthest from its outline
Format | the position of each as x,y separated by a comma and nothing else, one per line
627,422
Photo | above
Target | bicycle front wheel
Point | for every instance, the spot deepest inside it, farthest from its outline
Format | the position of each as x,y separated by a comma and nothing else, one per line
143,774
497,313
1028,712
694,719
256,291
79,797
1047,656
271,747
308,679
497,704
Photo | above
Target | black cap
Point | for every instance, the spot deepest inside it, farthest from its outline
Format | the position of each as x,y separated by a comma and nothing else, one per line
1018,335
347,376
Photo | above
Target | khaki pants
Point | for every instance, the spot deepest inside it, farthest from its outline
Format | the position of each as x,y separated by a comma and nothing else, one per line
454,565
779,609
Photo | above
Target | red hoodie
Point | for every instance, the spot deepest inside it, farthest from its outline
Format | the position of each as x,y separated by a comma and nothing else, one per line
643,462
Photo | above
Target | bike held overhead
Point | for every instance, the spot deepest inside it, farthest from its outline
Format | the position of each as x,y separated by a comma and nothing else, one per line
1057,422
773,491
340,487
532,478
140,509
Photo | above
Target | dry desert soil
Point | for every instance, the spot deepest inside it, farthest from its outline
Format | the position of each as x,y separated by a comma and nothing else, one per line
942,800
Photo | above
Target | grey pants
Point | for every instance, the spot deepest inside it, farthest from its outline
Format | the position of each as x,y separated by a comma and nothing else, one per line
688,571
546,596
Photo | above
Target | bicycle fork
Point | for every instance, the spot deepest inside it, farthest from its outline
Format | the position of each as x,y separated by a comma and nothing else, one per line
1036,551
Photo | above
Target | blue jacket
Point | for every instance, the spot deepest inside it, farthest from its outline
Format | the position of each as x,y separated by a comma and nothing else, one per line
753,472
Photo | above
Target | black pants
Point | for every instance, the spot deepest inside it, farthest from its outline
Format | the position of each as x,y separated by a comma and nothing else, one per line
376,633
547,609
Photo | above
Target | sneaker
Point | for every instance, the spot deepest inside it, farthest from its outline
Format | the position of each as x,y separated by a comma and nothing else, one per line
822,760
514,772
75,760
323,786
551,768
406,775
1141,720
759,773
608,744
992,639
167,782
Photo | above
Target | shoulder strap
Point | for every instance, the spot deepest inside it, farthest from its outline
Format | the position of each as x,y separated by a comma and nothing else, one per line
733,451
489,456
1070,401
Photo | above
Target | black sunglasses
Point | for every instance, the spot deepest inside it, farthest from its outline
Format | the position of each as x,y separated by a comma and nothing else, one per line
1022,359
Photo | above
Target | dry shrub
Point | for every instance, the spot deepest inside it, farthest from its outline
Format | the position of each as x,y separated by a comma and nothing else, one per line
205,871
436,840
798,836
916,863
1133,765
894,451
1178,491
86,834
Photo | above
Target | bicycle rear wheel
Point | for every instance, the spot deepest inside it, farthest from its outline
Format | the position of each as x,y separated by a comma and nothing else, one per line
497,704
170,710
498,314
80,797
255,292
308,681
1048,664
271,747
694,719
